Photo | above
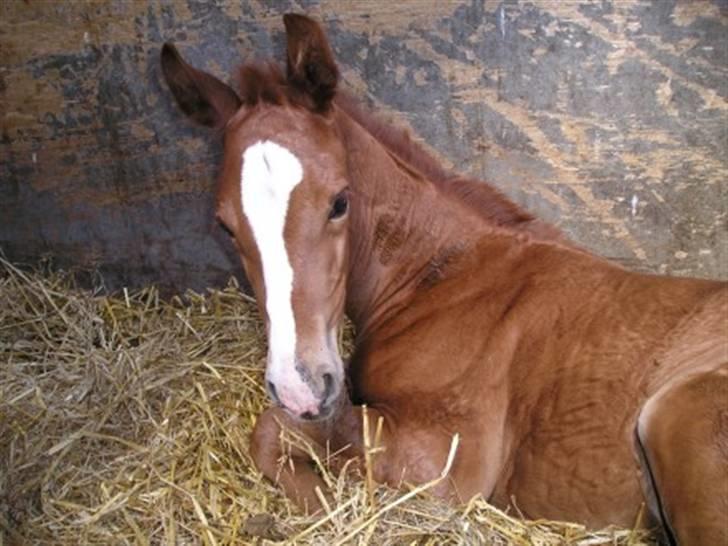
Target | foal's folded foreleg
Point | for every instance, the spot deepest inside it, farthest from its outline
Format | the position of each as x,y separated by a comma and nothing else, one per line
297,476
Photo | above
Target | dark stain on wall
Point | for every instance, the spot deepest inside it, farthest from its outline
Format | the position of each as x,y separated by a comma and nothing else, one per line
607,118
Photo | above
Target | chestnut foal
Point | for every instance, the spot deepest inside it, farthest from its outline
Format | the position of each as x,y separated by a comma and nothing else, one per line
578,389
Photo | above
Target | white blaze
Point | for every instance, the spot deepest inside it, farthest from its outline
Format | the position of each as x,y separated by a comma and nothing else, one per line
269,174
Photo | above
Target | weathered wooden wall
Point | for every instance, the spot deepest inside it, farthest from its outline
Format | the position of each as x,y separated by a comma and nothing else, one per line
608,118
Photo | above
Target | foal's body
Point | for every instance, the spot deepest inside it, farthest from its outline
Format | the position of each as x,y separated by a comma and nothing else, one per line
579,390
548,389
538,354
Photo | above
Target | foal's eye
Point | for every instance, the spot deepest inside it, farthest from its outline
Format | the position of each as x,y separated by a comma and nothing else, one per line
339,206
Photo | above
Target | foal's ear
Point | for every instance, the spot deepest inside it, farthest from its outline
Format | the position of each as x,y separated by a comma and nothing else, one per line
204,98
310,64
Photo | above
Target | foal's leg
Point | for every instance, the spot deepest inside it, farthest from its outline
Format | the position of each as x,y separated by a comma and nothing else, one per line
300,481
683,433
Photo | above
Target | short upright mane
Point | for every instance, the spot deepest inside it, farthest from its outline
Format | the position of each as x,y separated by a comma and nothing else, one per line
266,83
487,201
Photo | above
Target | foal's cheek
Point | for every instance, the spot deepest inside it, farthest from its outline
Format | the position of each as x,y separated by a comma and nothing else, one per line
256,283
337,258
336,278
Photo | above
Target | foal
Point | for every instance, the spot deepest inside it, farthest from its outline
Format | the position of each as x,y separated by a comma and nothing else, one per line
578,389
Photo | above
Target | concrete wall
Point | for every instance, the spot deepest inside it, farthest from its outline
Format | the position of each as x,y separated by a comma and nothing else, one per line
609,118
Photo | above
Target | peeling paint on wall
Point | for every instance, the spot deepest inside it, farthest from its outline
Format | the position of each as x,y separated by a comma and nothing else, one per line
608,118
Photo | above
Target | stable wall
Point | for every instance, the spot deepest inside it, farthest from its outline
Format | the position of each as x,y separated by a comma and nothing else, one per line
607,118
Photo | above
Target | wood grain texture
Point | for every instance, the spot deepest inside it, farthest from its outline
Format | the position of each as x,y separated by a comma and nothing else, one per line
608,118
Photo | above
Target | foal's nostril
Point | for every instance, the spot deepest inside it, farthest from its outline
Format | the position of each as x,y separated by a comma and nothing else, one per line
328,386
272,392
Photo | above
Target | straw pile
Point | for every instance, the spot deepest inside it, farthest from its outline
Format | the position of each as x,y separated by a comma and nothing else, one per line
125,420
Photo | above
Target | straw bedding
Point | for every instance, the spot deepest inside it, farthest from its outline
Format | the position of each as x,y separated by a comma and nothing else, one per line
125,420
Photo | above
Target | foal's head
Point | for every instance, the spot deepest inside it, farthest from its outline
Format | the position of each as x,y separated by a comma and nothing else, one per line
283,198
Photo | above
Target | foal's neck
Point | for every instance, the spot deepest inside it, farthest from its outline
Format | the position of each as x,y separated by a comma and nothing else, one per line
403,234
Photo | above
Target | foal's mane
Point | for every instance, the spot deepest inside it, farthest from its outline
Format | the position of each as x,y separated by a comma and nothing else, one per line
492,205
266,83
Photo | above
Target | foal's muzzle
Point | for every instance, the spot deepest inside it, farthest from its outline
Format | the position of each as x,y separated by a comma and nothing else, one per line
307,395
